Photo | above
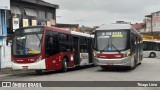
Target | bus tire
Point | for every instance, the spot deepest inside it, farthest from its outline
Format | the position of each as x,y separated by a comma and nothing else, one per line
152,55
132,67
38,72
139,63
64,65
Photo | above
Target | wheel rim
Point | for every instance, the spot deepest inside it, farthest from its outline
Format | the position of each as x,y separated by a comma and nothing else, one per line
152,55
65,65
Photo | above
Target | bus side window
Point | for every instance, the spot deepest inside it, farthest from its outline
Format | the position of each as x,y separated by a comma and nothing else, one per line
132,43
83,45
48,45
51,43
64,42
144,46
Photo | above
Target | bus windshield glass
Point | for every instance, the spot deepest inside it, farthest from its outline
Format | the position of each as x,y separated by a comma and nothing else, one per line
111,41
27,41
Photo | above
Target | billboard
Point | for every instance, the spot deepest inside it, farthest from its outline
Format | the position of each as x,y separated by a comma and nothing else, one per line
15,22
25,23
5,4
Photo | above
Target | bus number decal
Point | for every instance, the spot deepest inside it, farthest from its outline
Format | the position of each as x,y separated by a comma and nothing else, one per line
117,34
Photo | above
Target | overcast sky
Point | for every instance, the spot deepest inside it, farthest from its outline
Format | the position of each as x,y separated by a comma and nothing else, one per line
98,12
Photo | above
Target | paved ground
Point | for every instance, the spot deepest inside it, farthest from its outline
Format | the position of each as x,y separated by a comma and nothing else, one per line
149,70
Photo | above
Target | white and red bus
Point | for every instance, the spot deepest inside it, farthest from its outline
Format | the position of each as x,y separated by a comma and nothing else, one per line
49,48
117,45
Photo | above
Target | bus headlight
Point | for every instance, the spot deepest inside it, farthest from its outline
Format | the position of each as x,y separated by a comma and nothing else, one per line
129,54
39,59
94,54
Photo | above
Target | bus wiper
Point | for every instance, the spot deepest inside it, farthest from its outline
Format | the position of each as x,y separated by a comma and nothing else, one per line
40,39
106,47
116,48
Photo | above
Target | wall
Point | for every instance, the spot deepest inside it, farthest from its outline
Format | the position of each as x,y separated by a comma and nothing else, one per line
5,51
156,21
5,54
148,25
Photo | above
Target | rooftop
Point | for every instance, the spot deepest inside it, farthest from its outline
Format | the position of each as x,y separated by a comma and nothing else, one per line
139,25
40,2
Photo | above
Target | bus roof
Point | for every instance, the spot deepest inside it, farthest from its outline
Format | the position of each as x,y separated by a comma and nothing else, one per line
114,27
57,29
48,27
118,27
80,34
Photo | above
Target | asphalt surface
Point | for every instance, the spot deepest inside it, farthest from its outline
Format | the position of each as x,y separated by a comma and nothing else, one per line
149,70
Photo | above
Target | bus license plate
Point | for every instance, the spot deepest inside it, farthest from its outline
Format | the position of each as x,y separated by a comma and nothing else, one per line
109,63
25,67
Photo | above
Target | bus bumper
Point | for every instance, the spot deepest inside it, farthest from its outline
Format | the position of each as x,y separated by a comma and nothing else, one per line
31,66
115,62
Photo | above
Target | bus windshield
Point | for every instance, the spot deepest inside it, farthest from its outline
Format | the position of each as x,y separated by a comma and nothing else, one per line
27,41
110,41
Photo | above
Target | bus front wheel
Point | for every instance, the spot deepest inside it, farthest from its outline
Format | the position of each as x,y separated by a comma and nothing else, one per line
64,65
152,55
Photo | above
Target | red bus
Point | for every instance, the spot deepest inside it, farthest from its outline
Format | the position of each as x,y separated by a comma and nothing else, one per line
49,48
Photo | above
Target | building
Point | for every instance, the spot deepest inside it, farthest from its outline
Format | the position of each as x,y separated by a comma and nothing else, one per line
153,24
141,27
69,27
86,29
23,13
30,13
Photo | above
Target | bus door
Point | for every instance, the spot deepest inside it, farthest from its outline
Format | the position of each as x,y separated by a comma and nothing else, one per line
51,49
89,45
76,50
137,50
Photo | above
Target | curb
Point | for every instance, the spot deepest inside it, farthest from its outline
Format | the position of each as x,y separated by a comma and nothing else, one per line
10,71
4,75
5,71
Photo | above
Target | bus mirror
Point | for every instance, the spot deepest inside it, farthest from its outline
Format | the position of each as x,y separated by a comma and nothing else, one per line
9,39
8,42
